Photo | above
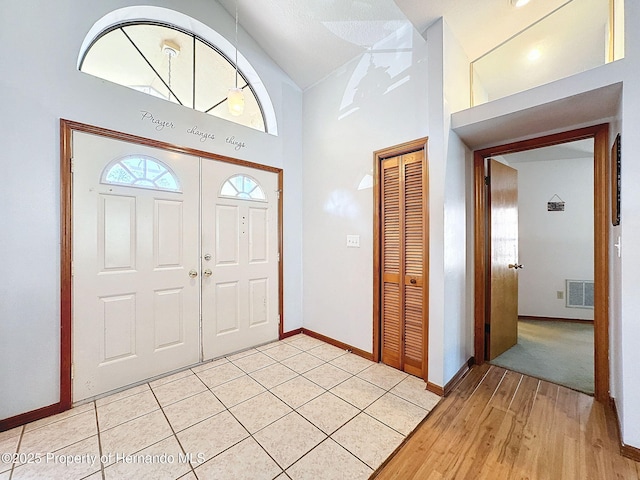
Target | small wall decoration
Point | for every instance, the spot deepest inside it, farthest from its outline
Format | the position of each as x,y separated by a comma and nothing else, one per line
555,206
615,181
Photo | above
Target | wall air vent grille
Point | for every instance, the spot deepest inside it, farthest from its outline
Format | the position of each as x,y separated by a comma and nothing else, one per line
579,294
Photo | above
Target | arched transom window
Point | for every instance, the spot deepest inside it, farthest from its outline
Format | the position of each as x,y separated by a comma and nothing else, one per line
244,188
170,63
141,171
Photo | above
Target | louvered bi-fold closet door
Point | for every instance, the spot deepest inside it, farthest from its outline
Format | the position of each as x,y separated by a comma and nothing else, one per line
403,193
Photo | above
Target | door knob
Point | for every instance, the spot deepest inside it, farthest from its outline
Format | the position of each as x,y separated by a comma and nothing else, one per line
515,266
207,272
207,256
193,273
413,281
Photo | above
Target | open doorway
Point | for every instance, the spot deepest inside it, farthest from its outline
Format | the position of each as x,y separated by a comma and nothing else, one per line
485,260
555,265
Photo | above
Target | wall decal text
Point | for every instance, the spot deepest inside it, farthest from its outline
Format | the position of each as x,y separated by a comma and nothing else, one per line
237,143
160,124
203,135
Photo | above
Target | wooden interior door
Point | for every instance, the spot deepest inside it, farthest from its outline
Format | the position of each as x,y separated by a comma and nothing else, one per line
502,331
403,259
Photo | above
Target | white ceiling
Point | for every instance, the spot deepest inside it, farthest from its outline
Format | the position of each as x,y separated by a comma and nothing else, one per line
309,39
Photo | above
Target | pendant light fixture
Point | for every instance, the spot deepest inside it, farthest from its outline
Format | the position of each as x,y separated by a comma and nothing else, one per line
235,97
171,50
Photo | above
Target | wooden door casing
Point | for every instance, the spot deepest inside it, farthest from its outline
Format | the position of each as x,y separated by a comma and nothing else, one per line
67,127
600,134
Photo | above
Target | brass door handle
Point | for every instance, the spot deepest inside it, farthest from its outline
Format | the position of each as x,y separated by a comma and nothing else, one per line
193,273
413,281
515,266
207,272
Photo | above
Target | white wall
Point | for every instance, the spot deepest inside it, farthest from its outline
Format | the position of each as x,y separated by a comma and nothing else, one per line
554,246
450,314
628,339
458,318
343,128
356,110
43,85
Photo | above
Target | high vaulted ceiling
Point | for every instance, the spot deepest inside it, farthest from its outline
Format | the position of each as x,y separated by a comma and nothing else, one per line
309,39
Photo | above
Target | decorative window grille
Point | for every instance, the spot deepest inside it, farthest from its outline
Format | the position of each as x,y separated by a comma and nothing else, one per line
168,62
243,187
141,171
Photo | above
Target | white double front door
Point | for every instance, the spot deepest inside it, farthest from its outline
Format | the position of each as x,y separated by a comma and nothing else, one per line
175,261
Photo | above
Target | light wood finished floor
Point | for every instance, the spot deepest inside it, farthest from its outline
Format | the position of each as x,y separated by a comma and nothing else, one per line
498,424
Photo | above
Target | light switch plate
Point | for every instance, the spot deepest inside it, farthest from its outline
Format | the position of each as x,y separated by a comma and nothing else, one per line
353,241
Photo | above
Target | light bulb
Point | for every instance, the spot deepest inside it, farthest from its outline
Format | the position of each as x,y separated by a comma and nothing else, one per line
235,101
534,54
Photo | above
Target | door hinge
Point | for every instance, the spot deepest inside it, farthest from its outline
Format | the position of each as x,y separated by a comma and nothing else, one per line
72,268
72,371
71,164
278,256
278,194
487,328
279,319
487,180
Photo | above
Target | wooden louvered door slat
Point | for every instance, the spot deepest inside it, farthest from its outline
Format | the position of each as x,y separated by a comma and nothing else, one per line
403,218
413,262
391,264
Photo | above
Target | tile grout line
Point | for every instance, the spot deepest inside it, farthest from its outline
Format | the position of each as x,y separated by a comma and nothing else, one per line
13,464
95,409
360,410
293,410
236,419
173,430
246,429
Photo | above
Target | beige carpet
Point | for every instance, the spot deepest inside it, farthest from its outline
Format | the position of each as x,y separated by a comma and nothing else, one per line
560,352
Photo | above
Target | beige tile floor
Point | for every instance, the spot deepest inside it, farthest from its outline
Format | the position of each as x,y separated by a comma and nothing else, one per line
294,409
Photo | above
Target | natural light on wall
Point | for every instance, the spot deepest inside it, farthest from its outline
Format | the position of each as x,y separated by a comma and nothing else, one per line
578,36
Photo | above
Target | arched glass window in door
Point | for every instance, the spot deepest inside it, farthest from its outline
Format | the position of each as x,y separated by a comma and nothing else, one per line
141,171
176,65
243,187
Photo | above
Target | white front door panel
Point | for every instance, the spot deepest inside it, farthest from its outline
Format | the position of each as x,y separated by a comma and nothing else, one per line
135,308
240,299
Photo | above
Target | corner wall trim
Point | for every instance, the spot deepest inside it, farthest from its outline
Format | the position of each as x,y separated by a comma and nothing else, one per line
338,343
290,333
630,452
625,450
437,389
451,384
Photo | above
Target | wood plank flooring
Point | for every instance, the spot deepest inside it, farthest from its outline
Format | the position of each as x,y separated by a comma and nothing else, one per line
498,424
